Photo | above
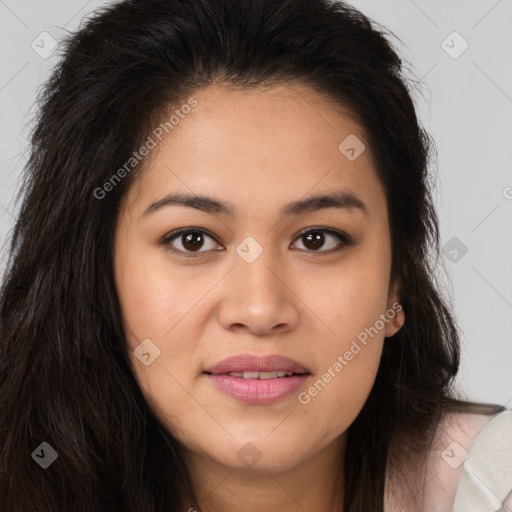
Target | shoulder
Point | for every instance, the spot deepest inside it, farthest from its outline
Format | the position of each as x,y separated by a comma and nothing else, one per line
468,468
486,481
470,463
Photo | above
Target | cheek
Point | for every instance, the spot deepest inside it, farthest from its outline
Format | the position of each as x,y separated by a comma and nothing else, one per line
151,311
348,301
157,307
152,301
338,393
166,380
351,345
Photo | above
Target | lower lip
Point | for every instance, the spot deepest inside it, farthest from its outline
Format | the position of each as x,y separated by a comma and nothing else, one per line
257,391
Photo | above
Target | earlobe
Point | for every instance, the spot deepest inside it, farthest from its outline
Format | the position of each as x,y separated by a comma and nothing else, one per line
395,311
395,324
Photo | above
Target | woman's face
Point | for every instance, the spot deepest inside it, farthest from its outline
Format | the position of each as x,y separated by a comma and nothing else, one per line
250,283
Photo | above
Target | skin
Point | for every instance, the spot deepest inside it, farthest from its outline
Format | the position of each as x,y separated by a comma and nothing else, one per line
258,150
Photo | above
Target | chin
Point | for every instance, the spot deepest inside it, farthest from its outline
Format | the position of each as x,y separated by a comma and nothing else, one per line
262,454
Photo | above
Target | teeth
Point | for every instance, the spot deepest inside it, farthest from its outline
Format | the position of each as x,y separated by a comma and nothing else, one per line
260,375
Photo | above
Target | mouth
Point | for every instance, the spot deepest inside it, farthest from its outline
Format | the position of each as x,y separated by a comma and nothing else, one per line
259,375
258,388
258,380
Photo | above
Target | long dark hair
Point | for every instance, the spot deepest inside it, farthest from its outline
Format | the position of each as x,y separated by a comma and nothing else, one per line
65,377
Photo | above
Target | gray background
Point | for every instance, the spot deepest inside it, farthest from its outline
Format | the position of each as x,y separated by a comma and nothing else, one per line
465,103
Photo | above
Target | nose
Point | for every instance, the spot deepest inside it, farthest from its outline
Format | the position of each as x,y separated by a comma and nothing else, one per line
259,297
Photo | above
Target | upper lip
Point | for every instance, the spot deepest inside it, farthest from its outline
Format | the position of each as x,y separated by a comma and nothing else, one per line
251,363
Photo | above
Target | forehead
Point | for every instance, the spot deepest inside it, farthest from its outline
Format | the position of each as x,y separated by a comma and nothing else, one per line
268,145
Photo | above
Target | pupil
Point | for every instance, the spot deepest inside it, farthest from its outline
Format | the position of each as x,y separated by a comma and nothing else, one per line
192,241
314,240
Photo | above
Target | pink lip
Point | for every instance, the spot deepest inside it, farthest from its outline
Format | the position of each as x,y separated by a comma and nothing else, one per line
257,391
250,363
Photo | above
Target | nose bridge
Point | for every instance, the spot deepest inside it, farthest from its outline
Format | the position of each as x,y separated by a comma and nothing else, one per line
256,265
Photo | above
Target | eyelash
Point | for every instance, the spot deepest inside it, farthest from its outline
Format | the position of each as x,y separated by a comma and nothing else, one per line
346,240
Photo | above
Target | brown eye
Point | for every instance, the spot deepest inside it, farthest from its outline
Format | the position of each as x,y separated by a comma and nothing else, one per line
189,241
194,241
315,239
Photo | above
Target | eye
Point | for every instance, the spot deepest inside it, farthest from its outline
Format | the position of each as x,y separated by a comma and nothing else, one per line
314,238
192,240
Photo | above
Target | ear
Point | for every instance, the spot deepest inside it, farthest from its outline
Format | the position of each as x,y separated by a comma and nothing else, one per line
395,313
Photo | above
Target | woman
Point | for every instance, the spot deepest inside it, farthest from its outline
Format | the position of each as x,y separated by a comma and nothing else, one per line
220,293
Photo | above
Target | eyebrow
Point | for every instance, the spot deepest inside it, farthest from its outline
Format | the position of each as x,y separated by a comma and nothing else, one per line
339,199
